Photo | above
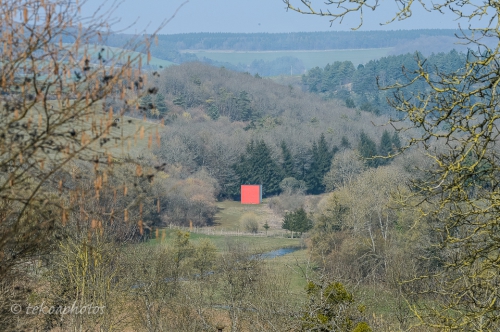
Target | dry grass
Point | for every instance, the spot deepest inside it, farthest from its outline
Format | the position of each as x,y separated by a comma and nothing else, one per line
230,212
294,266
130,137
259,244
137,136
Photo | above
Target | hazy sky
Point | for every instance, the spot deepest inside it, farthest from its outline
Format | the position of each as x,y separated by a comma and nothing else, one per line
254,16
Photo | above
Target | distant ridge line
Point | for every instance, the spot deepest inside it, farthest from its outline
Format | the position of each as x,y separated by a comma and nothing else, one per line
323,40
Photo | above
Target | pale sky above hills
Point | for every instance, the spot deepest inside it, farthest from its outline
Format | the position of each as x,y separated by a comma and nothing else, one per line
254,16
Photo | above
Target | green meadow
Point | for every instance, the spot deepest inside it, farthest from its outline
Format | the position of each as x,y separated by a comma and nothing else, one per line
258,244
229,214
114,53
310,58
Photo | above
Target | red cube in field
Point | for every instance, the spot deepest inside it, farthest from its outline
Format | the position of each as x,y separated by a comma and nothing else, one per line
251,194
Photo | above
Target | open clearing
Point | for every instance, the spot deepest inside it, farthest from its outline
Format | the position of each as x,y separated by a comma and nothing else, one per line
292,265
310,58
258,244
229,214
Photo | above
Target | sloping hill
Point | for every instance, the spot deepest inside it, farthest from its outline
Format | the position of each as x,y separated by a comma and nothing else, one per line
119,54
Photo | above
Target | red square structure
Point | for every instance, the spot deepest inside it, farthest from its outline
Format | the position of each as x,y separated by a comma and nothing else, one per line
251,194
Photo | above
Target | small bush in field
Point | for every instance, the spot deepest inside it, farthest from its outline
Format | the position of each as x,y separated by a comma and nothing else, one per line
250,222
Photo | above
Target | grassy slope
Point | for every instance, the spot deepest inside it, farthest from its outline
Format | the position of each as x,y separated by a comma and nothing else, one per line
311,59
114,52
128,130
132,144
292,265
230,212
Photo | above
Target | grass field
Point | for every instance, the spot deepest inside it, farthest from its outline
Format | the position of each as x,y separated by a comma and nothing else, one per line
227,220
258,244
311,59
288,266
116,53
230,212
292,265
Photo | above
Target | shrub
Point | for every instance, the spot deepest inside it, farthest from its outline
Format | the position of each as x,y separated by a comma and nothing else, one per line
250,222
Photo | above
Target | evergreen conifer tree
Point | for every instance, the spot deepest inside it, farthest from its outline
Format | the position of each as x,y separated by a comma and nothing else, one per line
297,221
344,143
213,112
385,147
313,174
288,223
180,101
288,163
325,155
266,227
160,104
257,166
349,103
320,165
368,149
244,107
396,141
146,102
302,221
313,79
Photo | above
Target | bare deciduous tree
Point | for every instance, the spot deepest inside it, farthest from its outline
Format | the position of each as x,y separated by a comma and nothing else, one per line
346,166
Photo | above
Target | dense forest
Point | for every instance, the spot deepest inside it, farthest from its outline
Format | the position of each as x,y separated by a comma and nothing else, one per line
361,87
238,129
323,40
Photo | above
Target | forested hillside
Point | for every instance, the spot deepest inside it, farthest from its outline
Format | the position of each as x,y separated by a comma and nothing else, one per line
294,41
225,128
360,87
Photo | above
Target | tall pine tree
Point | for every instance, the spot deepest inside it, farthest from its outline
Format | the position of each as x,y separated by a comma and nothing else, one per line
320,165
396,141
160,104
325,155
244,107
257,166
368,149
344,143
313,174
288,162
385,147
